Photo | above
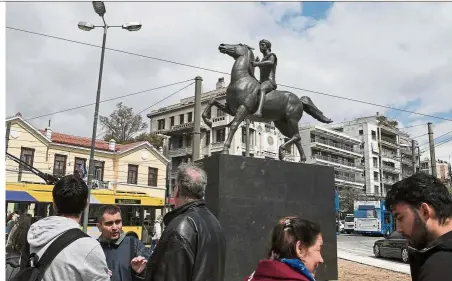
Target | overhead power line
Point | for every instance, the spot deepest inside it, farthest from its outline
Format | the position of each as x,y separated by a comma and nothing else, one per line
222,72
115,98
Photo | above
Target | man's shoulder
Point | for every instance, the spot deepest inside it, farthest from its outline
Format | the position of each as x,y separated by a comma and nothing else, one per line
437,263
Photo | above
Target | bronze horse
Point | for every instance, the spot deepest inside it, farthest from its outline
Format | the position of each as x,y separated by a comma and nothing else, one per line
284,108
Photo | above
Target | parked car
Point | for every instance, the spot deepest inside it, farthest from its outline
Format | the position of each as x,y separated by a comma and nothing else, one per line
392,246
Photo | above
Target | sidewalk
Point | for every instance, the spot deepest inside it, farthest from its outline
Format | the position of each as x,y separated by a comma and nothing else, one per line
380,263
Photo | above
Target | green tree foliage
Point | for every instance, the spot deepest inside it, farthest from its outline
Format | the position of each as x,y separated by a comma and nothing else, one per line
122,124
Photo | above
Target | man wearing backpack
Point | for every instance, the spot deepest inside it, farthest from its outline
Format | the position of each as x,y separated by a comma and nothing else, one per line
62,251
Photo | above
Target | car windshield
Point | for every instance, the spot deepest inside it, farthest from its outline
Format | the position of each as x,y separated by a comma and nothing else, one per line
349,219
396,235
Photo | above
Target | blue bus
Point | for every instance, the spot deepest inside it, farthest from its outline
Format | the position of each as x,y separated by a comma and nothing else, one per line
372,218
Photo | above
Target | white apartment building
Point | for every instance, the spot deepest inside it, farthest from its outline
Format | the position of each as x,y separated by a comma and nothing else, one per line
176,121
324,146
387,151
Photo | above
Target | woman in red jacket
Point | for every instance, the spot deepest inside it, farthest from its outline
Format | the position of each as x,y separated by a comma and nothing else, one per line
295,252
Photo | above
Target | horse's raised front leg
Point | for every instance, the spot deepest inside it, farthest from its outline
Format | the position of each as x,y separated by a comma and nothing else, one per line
240,115
214,102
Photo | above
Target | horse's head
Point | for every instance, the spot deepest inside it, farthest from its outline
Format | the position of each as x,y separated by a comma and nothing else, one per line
238,51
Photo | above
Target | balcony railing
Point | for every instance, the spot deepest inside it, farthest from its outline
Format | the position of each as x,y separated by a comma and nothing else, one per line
406,151
350,179
217,145
250,146
338,145
389,141
390,155
390,169
337,161
407,161
180,151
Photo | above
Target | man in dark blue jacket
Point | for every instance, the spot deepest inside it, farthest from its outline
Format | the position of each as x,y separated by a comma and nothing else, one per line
126,255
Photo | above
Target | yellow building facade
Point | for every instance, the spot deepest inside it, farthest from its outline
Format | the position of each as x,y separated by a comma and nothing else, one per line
135,167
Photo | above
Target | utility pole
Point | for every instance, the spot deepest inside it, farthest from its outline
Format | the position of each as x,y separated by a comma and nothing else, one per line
380,162
419,157
197,126
247,137
413,151
432,148
8,130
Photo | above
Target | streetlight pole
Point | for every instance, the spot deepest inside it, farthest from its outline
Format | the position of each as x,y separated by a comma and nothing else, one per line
99,8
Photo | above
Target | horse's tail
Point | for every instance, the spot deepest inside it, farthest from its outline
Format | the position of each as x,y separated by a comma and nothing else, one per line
310,108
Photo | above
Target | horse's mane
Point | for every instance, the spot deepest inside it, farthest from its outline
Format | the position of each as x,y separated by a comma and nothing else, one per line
250,59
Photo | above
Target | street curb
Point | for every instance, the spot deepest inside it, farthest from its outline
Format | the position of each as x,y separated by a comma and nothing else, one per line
361,260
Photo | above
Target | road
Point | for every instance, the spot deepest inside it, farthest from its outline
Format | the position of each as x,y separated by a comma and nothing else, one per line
359,248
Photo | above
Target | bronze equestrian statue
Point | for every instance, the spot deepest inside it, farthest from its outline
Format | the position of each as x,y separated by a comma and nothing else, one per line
244,94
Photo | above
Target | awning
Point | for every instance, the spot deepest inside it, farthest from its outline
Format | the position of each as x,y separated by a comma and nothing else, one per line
20,196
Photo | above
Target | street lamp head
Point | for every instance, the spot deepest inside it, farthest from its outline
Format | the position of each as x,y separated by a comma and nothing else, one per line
132,26
99,8
86,26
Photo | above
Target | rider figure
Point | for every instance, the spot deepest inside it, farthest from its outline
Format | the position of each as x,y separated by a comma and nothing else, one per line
267,72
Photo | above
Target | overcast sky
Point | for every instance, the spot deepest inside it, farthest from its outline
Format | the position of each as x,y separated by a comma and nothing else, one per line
396,54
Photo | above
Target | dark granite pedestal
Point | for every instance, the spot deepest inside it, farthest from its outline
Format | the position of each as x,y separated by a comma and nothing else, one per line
249,195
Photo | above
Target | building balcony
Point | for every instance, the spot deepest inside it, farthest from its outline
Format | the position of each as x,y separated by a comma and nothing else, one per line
406,174
389,129
390,169
407,161
406,151
338,163
182,151
389,142
180,129
392,156
334,147
341,180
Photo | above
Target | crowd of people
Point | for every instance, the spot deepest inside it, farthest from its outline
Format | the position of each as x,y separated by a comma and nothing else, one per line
192,245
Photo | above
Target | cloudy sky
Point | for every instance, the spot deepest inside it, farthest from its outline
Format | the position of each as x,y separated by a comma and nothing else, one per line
396,54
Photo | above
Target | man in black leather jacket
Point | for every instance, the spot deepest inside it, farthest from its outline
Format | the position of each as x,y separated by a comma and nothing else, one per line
192,246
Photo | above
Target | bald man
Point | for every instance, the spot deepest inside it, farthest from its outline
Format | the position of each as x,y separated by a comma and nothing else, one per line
192,246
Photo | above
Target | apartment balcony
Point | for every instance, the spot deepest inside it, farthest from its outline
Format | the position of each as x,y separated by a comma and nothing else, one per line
334,147
389,129
343,181
406,174
182,151
390,169
338,163
180,129
406,151
389,142
392,156
407,161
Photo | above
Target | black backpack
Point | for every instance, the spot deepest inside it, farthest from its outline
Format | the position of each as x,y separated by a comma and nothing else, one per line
36,267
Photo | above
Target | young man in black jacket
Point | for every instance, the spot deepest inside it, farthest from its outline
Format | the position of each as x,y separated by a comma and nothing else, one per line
422,208
192,246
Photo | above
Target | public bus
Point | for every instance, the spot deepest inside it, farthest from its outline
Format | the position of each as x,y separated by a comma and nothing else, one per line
138,210
372,218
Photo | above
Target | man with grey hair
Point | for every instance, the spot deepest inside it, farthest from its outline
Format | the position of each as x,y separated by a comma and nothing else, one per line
192,246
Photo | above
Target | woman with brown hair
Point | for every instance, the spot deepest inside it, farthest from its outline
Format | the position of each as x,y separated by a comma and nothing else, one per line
295,252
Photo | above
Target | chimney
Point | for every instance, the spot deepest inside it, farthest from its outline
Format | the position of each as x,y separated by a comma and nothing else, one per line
220,83
18,114
49,132
112,145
